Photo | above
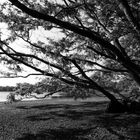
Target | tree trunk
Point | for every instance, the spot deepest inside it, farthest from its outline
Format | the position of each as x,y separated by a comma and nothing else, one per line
133,69
114,106
106,93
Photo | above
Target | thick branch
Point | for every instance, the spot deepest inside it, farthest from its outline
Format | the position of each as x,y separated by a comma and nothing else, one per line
86,33
49,94
81,71
104,67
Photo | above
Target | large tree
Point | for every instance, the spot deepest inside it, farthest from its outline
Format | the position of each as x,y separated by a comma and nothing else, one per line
98,36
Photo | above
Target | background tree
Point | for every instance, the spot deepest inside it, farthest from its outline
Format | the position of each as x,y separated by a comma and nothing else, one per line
7,88
98,36
47,87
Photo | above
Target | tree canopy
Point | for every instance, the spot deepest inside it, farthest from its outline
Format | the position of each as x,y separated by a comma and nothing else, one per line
99,43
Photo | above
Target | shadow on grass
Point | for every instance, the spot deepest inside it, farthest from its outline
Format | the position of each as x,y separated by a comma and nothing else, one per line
69,114
63,106
124,126
76,114
39,118
43,107
72,112
58,134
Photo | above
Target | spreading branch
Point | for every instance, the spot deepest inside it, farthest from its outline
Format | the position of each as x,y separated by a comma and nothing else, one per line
48,94
69,26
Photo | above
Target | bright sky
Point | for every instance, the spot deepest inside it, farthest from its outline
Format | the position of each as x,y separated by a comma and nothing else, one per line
1,1
19,45
13,81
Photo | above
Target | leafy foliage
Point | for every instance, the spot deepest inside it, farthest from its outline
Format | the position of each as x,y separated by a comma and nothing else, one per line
98,48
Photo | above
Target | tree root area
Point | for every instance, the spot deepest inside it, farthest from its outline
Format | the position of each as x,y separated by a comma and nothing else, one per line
123,106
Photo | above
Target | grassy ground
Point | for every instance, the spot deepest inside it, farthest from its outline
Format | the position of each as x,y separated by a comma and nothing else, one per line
65,120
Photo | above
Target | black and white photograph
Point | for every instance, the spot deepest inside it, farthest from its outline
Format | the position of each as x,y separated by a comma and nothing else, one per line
69,70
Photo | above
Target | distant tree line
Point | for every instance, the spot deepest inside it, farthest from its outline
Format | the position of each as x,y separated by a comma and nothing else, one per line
7,88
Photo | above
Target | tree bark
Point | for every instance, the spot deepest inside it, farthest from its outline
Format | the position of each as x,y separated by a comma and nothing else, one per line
134,70
110,96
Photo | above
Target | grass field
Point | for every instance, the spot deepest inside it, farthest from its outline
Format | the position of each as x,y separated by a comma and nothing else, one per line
59,119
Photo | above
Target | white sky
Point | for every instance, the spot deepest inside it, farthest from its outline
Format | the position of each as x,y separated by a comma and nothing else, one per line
14,81
1,1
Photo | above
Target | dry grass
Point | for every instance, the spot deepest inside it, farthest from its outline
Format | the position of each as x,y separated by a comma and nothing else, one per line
65,120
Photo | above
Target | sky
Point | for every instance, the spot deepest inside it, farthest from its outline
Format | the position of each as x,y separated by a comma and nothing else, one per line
39,34
1,1
14,81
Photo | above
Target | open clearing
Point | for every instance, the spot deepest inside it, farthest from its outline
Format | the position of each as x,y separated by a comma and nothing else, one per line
59,119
